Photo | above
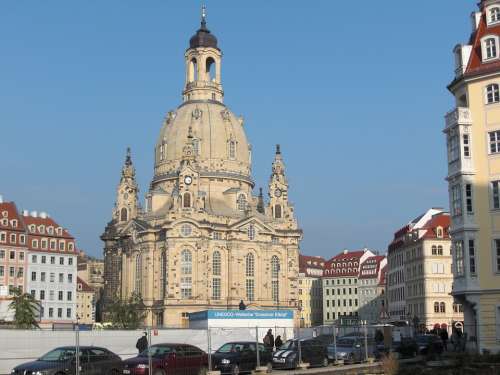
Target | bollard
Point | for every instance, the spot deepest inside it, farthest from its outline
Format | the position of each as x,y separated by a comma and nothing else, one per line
299,346
150,359
334,344
77,346
209,350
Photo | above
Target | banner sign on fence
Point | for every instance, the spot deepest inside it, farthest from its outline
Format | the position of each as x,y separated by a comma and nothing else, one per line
241,314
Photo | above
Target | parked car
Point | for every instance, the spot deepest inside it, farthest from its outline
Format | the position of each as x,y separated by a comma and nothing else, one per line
429,344
235,357
312,352
407,347
93,361
179,359
351,349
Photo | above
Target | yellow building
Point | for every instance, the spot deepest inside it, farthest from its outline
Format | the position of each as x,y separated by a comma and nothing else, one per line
85,302
310,294
473,137
204,240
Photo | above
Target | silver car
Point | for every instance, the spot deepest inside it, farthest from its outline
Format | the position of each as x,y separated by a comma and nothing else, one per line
350,350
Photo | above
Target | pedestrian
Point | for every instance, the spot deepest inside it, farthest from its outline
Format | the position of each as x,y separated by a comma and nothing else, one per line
278,342
444,338
142,343
269,340
379,336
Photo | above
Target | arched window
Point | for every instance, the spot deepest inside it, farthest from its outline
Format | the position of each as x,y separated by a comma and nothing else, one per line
490,47
232,150
436,307
163,150
275,269
210,69
186,271
193,70
250,274
138,274
442,307
164,274
123,214
216,271
241,202
216,263
439,232
494,15
492,93
277,211
251,232
434,250
186,201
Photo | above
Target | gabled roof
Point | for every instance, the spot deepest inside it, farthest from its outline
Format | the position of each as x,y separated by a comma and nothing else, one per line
310,262
346,264
47,222
84,286
11,214
476,66
370,268
441,220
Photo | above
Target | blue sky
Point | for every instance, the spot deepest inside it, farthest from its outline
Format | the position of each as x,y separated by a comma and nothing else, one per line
355,95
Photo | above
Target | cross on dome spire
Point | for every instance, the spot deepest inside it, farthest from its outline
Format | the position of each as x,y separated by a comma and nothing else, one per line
203,16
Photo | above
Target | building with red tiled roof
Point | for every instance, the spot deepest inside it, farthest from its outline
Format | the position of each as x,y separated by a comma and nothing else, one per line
39,256
340,286
419,279
85,302
310,295
473,148
371,291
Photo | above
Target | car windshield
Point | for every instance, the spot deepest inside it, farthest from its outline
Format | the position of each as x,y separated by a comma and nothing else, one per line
156,351
290,344
230,348
58,355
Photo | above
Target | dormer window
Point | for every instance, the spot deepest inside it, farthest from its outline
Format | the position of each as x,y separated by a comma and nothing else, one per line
494,15
241,202
439,232
32,228
41,229
50,230
14,223
490,47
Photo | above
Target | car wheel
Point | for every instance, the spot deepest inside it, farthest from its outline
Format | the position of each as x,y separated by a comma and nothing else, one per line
325,362
203,370
158,372
269,367
235,370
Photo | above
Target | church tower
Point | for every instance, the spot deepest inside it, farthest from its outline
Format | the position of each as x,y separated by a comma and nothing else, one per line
279,207
126,196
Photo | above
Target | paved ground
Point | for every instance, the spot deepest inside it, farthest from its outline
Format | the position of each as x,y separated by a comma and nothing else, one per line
363,368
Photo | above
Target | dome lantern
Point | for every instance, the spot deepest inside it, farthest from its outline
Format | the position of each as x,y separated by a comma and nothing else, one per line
203,61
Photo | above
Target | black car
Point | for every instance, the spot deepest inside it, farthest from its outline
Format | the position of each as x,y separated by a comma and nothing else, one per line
312,352
407,347
235,357
62,361
429,344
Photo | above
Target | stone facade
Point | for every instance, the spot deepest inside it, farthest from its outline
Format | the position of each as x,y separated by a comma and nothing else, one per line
85,302
203,240
371,289
473,133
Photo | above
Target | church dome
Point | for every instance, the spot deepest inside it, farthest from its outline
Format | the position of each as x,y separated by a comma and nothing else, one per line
219,140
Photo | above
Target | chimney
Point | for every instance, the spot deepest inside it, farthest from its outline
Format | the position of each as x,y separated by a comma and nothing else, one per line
1,199
43,215
26,213
345,251
34,214
475,19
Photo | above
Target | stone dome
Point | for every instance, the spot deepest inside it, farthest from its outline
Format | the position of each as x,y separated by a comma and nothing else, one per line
220,143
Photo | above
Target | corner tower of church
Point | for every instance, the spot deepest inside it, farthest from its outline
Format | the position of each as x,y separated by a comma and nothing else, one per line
204,240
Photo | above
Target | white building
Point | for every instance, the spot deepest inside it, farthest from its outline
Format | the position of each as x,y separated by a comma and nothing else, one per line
52,268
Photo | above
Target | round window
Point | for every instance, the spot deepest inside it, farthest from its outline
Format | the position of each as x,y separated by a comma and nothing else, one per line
186,230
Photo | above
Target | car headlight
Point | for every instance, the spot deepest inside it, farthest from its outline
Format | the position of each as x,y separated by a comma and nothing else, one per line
341,354
225,361
40,373
141,365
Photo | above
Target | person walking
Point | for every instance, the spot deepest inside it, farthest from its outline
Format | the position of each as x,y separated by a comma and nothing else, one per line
444,338
142,343
269,340
278,342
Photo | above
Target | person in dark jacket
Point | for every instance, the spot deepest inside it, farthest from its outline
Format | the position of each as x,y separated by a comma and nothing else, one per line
278,342
142,343
444,338
269,340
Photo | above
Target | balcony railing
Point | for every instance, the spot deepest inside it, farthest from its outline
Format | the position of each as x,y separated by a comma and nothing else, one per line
460,116
202,85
